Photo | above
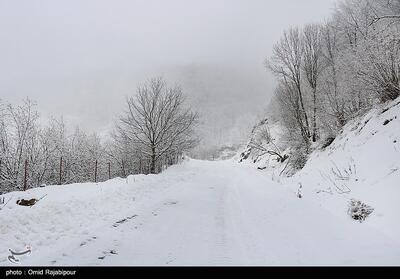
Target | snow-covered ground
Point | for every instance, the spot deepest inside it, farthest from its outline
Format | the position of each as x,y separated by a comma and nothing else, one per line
363,163
223,212
195,213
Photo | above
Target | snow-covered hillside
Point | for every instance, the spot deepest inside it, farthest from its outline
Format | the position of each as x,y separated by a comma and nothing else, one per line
362,163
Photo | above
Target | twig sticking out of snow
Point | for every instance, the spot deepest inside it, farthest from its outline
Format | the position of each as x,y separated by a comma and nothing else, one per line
5,203
329,191
284,167
346,173
38,200
299,194
340,190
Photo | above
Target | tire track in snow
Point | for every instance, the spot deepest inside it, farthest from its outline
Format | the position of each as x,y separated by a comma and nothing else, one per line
222,256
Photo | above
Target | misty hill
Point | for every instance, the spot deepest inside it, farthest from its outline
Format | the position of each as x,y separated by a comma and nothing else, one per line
228,99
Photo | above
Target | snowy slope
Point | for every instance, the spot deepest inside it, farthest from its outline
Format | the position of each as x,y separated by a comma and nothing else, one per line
362,163
195,213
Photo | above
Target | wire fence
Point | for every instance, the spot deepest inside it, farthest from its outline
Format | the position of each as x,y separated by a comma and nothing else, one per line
66,172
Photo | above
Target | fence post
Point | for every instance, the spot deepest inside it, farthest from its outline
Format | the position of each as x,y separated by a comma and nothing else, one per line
61,165
26,174
109,170
95,173
123,168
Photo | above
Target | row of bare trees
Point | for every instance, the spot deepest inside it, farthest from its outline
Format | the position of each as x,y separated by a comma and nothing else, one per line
153,133
329,73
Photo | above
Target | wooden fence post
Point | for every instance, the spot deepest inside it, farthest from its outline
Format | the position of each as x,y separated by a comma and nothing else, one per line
26,174
95,173
123,168
61,165
109,170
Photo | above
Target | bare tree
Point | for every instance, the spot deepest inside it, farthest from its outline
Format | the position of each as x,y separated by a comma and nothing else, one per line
18,139
156,121
385,10
286,63
331,75
373,61
312,65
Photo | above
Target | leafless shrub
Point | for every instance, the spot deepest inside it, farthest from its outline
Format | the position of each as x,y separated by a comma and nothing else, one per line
358,210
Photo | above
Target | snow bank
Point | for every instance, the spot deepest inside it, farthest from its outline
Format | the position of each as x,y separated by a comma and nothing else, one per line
69,212
362,163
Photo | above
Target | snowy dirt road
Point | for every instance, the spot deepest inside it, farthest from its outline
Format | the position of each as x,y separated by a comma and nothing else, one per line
196,213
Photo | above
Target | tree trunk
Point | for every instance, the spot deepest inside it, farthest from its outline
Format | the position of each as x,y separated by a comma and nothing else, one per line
95,172
303,110
26,175
153,160
60,173
314,138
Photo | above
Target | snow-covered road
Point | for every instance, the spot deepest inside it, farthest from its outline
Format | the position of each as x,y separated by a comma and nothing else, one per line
196,213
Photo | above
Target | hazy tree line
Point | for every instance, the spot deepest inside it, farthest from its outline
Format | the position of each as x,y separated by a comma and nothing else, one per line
152,133
331,72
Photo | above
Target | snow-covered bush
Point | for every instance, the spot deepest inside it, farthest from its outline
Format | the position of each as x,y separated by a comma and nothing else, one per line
298,157
327,142
358,210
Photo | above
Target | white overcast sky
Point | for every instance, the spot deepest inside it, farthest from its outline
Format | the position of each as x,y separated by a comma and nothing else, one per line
79,58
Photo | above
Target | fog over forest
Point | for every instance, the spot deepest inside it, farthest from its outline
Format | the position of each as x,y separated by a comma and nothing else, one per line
82,58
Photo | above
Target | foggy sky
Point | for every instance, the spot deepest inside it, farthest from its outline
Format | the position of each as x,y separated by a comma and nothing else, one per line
81,58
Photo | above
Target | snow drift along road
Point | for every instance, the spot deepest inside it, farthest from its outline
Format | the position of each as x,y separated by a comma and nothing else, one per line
196,213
